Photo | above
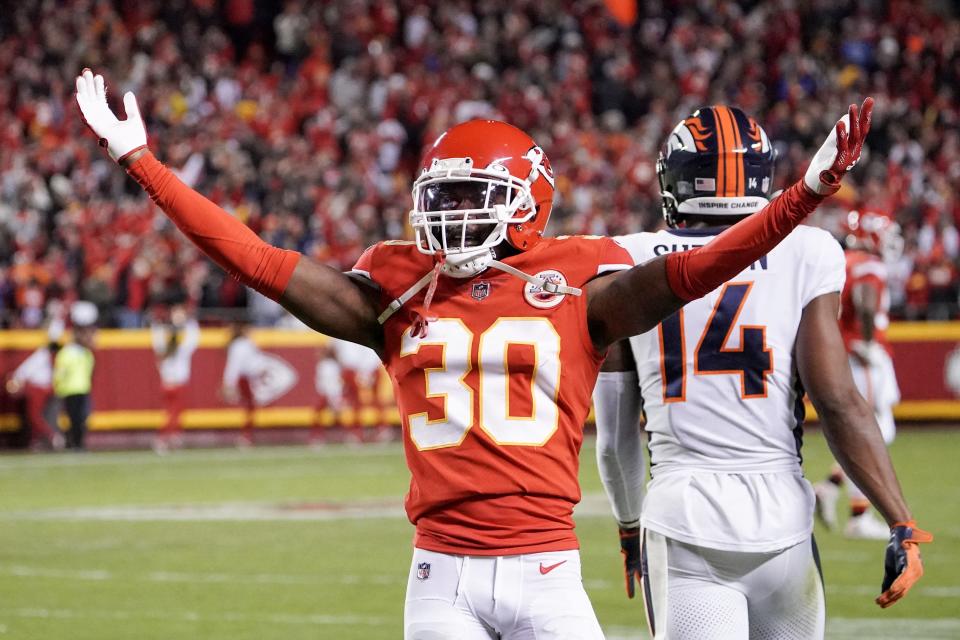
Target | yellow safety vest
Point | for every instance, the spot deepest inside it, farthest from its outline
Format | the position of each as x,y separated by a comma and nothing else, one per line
73,371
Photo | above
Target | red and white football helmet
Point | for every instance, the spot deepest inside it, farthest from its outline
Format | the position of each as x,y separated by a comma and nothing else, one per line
874,232
482,182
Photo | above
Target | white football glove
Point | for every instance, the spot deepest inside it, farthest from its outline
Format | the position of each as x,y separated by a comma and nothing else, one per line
840,152
120,137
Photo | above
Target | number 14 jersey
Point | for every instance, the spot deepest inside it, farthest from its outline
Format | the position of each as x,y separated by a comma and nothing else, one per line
723,400
494,397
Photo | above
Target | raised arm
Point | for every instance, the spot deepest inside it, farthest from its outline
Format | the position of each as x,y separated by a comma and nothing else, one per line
635,301
334,304
322,297
853,435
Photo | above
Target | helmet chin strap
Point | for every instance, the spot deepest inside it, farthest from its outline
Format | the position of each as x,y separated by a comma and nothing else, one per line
465,265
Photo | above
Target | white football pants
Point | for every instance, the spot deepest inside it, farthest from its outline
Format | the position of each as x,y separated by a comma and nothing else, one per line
538,596
877,384
695,593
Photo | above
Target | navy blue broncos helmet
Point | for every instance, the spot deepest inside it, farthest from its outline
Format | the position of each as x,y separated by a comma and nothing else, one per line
717,162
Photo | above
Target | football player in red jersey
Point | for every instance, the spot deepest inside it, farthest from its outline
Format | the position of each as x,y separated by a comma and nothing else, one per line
493,336
873,240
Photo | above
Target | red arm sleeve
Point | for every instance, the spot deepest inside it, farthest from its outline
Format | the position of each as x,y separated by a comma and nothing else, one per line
694,274
226,240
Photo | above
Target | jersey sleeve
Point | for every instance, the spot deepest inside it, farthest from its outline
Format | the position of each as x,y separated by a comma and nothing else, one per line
825,265
27,369
224,239
613,257
389,265
363,268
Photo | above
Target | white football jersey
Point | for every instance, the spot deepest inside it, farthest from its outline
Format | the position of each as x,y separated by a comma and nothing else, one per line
175,367
328,380
723,400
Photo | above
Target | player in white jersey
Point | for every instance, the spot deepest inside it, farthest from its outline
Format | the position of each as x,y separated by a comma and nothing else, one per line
726,524
328,383
362,369
242,368
33,378
174,344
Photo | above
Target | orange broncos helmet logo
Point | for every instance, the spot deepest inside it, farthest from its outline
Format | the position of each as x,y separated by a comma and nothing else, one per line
754,134
699,132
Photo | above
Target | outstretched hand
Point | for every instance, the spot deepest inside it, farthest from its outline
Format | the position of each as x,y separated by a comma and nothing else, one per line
120,137
902,564
841,150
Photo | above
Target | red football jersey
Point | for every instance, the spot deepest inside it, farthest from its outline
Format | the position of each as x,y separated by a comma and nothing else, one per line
493,399
864,269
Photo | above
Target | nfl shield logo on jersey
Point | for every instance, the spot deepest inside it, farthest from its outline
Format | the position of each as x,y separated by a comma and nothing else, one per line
480,290
423,570
535,295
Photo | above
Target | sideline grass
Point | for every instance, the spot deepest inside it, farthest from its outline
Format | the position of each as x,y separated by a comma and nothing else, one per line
227,544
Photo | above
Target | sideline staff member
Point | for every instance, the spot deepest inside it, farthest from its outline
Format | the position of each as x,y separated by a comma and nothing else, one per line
73,372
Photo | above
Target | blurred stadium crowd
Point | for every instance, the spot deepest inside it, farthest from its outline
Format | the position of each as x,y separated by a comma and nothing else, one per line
306,120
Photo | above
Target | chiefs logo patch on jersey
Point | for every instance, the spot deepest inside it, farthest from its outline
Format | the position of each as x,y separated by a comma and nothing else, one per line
537,297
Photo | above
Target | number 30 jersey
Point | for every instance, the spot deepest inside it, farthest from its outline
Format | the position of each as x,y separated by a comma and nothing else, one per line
494,397
723,400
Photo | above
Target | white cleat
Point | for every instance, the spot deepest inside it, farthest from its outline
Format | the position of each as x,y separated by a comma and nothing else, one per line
866,526
828,494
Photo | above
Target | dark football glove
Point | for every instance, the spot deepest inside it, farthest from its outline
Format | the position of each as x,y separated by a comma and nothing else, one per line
902,565
632,565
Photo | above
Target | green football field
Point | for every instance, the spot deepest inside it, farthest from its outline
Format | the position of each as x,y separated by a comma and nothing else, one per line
292,543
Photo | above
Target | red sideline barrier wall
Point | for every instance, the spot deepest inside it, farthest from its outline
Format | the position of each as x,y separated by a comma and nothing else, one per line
926,356
127,386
